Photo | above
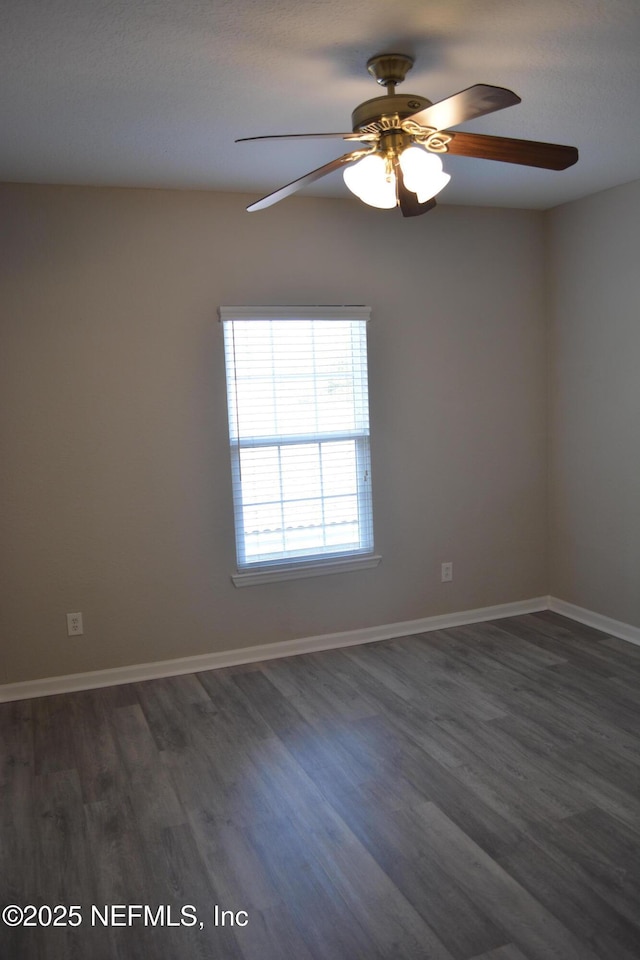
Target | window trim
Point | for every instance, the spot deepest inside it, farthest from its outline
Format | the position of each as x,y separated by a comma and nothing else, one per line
288,568
301,571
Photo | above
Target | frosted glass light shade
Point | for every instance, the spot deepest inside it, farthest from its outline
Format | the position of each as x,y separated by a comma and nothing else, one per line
422,172
369,180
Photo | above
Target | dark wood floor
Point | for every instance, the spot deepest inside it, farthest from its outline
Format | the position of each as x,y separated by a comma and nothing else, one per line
468,793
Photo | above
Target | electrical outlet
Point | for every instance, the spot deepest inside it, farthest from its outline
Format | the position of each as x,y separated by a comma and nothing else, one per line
446,572
74,624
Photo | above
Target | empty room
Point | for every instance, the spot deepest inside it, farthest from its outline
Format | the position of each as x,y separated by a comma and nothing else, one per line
320,484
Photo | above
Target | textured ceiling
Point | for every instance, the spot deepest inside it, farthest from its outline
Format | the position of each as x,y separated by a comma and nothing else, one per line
154,92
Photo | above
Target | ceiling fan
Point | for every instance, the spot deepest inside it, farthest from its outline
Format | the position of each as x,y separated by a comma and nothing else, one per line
402,137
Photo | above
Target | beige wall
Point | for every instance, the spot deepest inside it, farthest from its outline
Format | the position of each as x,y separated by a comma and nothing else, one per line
115,484
595,403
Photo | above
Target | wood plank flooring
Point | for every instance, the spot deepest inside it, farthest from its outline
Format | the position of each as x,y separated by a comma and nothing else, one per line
466,794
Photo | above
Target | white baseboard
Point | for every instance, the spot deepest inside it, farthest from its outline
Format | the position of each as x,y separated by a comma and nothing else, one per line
286,648
614,628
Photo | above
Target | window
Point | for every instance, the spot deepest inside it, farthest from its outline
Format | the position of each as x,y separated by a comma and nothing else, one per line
299,434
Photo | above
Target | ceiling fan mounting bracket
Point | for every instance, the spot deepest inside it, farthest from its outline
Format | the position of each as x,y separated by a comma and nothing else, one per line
388,69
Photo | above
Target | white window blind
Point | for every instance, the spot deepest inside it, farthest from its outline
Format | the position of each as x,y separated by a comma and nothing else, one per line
299,433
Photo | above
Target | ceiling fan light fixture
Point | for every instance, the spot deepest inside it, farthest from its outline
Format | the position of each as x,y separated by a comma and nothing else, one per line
400,134
371,181
422,172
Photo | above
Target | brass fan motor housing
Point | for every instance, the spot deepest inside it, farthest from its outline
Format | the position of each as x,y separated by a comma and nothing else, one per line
385,113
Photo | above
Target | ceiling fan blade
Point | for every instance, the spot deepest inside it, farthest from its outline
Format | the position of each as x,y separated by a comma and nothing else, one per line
530,153
409,205
313,136
301,182
473,102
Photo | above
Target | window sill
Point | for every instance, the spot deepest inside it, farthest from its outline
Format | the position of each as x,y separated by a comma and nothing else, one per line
318,568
